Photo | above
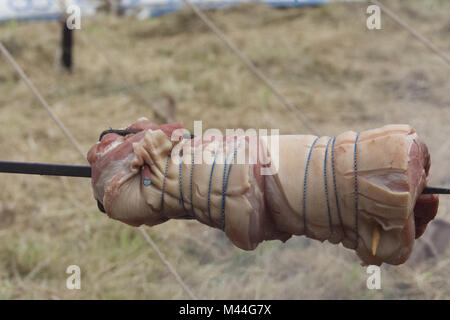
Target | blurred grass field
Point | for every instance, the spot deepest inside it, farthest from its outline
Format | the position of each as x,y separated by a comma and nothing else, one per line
324,59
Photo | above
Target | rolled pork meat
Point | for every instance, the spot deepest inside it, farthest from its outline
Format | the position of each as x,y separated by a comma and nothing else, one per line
363,190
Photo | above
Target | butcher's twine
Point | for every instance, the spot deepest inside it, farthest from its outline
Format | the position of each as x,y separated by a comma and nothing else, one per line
355,163
333,170
163,188
330,221
225,183
305,181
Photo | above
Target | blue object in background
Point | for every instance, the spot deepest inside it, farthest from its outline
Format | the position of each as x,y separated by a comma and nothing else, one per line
40,9
50,9
153,8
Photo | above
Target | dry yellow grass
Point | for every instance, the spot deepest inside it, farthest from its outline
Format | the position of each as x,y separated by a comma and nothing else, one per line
323,59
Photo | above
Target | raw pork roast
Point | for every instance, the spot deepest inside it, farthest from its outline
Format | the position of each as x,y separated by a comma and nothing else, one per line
362,190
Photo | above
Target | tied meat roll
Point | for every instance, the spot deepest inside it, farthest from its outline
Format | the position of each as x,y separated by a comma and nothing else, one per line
363,190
